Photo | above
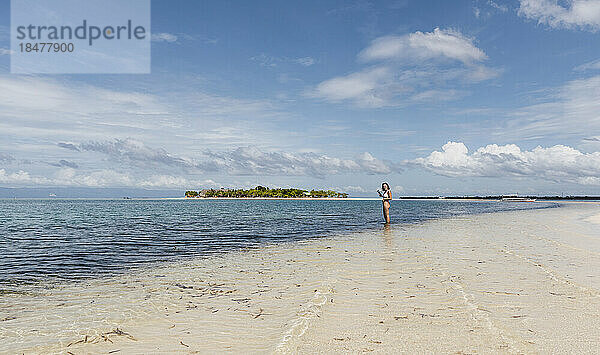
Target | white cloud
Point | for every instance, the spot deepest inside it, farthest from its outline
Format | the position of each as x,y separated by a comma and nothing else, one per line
370,164
593,65
266,60
589,180
351,188
584,14
6,158
305,61
499,7
133,152
102,178
253,161
164,37
239,161
21,178
366,88
33,97
436,95
570,110
557,164
397,189
486,10
416,67
180,37
169,181
423,46
479,73
44,98
65,163
57,109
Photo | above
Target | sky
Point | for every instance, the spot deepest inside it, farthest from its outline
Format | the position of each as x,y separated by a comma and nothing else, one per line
434,97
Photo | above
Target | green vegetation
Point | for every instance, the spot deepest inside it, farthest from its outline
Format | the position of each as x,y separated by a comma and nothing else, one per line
191,194
261,191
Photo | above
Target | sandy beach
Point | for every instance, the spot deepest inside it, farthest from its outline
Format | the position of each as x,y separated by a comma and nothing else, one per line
507,282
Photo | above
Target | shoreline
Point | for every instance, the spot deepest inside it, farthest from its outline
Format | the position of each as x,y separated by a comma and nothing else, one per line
490,282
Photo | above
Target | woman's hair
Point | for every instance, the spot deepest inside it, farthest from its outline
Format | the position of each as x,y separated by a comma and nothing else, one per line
386,184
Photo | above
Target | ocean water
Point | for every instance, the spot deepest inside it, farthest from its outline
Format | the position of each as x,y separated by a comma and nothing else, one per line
64,240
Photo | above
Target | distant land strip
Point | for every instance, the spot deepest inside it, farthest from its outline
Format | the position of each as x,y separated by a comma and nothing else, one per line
502,197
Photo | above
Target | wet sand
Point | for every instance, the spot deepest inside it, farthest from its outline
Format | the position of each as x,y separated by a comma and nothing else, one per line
509,282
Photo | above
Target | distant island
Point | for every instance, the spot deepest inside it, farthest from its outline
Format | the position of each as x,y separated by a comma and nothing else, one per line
265,192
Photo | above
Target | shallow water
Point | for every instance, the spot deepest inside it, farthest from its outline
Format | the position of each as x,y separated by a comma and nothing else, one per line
54,240
515,282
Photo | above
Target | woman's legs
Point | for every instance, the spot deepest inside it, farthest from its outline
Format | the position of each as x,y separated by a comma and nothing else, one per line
386,211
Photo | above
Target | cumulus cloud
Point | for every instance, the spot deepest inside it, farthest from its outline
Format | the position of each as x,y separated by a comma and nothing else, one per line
370,164
583,14
415,67
558,163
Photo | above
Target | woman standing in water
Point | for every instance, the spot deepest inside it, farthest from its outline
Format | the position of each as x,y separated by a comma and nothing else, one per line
386,195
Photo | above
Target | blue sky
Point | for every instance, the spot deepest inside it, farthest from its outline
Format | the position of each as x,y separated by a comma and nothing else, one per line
436,97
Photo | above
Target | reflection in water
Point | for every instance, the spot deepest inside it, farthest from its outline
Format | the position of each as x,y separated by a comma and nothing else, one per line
388,237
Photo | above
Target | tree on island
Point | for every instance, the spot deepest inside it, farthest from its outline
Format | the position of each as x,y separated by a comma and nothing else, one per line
191,194
261,191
